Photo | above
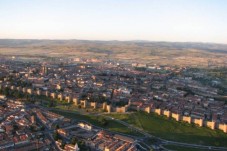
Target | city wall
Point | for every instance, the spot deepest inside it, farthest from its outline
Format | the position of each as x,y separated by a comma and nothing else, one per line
200,122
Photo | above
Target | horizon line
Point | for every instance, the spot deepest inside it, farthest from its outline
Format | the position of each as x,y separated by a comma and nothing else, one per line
203,42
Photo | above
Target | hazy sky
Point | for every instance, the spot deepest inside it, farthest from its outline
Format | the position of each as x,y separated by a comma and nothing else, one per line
156,20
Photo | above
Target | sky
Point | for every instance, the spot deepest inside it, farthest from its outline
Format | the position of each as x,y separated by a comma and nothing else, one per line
154,20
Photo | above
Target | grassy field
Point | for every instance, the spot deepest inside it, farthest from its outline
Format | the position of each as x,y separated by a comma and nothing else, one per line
112,125
171,130
179,148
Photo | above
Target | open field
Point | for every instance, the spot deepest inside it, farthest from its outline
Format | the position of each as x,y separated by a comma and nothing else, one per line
193,54
112,125
176,131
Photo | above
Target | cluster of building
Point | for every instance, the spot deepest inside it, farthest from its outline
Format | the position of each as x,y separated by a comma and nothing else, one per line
112,142
32,127
114,86
19,129
97,139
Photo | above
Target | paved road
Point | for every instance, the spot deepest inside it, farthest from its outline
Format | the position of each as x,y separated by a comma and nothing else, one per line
165,142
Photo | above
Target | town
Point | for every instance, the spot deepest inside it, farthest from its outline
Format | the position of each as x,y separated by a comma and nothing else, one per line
27,127
113,75
31,88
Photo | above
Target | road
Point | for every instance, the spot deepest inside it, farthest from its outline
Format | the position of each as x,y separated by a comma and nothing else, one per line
147,135
166,142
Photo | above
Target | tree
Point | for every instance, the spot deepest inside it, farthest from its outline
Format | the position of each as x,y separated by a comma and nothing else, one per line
103,121
51,103
83,96
82,146
57,126
63,145
15,127
74,141
42,128
32,128
6,91
55,136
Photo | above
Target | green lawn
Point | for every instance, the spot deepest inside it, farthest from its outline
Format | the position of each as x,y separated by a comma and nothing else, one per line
112,125
179,148
171,130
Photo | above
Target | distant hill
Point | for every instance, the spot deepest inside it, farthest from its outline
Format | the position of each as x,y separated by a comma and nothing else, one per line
175,53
